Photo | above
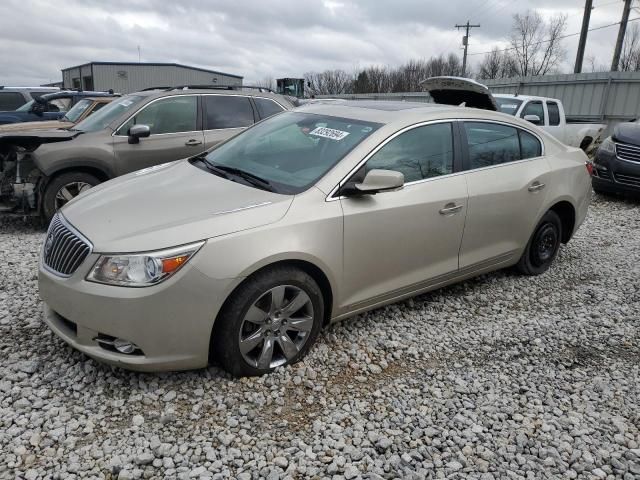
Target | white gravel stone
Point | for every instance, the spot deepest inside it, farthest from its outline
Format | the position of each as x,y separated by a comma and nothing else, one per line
501,376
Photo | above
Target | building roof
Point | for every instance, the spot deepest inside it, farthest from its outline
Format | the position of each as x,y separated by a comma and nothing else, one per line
152,64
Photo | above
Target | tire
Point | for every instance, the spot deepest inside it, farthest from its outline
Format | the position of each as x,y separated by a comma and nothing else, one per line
257,299
74,182
543,246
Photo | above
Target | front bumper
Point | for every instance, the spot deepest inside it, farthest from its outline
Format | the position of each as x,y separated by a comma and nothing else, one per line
171,322
615,175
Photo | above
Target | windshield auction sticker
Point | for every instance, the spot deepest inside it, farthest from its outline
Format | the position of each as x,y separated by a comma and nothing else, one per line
329,133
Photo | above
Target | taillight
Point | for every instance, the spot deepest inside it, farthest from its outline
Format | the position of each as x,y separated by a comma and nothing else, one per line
589,166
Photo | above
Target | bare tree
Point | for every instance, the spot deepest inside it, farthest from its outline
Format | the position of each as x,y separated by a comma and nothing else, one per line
536,44
498,64
266,82
594,66
329,82
630,56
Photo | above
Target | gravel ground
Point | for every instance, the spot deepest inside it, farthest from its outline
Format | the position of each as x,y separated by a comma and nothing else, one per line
498,377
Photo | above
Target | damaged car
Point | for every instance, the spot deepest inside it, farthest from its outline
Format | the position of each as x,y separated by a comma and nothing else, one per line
40,171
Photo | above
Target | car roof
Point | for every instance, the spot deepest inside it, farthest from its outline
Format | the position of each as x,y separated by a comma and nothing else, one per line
524,97
74,93
402,114
28,89
249,92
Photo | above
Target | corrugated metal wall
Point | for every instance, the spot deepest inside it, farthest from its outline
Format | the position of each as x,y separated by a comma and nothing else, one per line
607,97
127,78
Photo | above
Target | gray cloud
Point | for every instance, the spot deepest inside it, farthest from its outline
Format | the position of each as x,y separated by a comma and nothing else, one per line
258,39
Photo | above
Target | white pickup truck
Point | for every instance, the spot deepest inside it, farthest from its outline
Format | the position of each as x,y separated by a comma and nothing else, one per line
546,113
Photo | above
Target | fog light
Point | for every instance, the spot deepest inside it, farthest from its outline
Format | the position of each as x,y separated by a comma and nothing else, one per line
124,346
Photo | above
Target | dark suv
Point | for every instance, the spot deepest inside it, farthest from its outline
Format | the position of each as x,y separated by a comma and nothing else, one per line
51,106
617,161
42,170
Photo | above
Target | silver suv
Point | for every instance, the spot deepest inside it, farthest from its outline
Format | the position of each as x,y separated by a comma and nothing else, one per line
139,130
12,98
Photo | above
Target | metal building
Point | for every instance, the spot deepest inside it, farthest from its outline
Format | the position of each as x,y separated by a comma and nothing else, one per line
124,77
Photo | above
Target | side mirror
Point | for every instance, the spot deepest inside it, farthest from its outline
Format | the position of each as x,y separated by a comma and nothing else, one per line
137,132
38,107
375,181
535,119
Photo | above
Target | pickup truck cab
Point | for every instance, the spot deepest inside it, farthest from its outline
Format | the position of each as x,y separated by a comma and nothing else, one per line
548,114
51,106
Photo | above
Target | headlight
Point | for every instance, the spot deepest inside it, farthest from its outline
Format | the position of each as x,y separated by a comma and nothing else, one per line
608,146
141,269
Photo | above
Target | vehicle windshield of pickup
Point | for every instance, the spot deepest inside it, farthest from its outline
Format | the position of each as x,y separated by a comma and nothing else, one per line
108,114
508,105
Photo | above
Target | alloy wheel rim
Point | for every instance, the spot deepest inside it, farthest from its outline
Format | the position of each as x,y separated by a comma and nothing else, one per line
69,191
276,327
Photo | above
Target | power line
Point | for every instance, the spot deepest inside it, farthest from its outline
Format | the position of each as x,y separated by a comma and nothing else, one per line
559,38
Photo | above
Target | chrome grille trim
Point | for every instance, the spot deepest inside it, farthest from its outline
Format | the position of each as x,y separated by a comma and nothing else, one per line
629,153
65,248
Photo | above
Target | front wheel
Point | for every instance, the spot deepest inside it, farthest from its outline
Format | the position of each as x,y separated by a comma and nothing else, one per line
271,320
543,246
64,188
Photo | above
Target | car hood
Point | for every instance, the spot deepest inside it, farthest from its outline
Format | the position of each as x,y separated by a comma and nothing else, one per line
169,205
627,133
45,125
32,139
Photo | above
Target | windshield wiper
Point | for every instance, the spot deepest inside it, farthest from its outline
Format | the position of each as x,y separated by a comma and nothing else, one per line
252,178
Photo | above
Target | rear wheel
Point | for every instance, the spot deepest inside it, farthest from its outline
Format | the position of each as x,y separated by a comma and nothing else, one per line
271,320
543,246
64,188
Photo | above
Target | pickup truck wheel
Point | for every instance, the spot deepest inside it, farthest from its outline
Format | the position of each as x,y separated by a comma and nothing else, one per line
543,246
62,189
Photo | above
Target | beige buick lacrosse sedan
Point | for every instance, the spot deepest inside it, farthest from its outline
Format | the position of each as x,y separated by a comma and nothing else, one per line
243,254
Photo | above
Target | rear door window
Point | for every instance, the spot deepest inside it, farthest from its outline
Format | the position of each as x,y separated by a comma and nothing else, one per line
267,107
530,146
491,144
554,113
11,100
227,111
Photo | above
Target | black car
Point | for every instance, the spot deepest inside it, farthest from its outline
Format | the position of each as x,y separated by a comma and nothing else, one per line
617,161
51,106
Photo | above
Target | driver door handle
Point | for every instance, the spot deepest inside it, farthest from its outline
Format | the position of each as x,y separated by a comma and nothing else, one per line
536,186
450,209
193,142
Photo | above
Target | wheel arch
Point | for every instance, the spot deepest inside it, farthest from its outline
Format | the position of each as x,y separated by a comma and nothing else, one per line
313,270
567,213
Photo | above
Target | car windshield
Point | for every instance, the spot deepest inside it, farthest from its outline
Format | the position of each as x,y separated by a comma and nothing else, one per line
508,105
290,151
26,107
76,111
108,114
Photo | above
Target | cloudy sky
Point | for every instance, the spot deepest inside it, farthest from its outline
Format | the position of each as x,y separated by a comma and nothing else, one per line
274,38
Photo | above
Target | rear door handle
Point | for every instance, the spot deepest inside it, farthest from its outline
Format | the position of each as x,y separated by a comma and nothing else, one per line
193,142
450,209
536,186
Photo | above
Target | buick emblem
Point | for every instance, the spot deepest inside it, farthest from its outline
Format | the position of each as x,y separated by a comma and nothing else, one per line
48,244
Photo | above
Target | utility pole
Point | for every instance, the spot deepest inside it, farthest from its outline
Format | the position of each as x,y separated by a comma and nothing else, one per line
621,32
588,6
465,42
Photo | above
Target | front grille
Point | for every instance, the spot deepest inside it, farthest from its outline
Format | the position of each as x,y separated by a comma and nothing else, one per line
64,250
632,180
629,153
